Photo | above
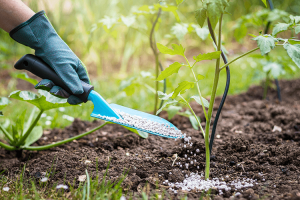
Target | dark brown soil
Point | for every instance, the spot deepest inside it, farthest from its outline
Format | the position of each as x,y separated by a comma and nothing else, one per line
246,146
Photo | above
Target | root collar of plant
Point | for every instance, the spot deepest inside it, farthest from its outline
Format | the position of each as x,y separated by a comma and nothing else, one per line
246,146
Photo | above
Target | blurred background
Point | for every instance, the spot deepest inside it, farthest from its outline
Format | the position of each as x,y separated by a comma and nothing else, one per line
112,38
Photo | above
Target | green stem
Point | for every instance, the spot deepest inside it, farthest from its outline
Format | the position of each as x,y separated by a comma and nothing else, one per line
266,86
211,104
24,137
187,103
224,66
199,92
203,107
154,49
7,147
7,135
40,148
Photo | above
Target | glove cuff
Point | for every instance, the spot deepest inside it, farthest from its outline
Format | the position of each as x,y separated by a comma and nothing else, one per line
29,33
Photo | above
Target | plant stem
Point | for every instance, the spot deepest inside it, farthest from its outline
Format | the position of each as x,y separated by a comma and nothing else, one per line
203,107
24,137
199,92
187,103
7,147
7,135
266,86
211,104
40,148
153,47
224,66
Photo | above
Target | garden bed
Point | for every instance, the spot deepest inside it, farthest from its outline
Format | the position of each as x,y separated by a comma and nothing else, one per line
246,146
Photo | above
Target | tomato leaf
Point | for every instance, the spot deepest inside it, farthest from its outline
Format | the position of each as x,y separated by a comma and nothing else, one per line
266,43
201,32
297,29
294,52
129,20
182,87
169,102
214,11
280,27
25,77
275,69
173,110
179,30
200,77
265,2
172,69
207,56
295,19
197,99
179,1
177,49
194,122
4,102
201,16
164,96
138,132
44,101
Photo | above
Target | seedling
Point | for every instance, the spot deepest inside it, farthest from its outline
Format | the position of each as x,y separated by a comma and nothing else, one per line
213,11
23,134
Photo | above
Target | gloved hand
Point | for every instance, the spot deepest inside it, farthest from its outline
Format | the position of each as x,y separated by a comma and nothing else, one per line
38,34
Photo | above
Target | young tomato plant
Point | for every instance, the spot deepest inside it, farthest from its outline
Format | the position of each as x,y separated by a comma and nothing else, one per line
213,11
22,134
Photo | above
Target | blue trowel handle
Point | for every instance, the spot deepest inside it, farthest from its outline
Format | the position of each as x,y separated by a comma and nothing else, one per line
41,69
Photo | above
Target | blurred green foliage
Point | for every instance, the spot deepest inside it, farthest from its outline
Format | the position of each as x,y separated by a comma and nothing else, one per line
112,38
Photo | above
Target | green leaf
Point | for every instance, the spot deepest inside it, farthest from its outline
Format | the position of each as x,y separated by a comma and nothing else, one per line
20,123
164,96
177,50
280,27
295,19
265,2
128,21
214,11
34,136
25,77
180,30
169,102
275,69
200,77
144,8
197,99
44,101
207,56
179,1
294,41
4,102
108,22
294,52
172,111
172,69
240,32
265,43
182,87
297,29
194,122
201,16
138,132
201,32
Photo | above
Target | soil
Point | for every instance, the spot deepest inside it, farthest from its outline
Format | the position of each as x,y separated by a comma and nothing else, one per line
246,146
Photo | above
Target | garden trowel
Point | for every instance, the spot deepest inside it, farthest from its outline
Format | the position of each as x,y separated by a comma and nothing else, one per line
109,112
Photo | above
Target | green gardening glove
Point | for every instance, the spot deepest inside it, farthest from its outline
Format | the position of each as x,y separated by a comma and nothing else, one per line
38,34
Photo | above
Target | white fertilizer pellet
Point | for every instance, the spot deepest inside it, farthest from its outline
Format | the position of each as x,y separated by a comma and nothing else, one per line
197,182
145,124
